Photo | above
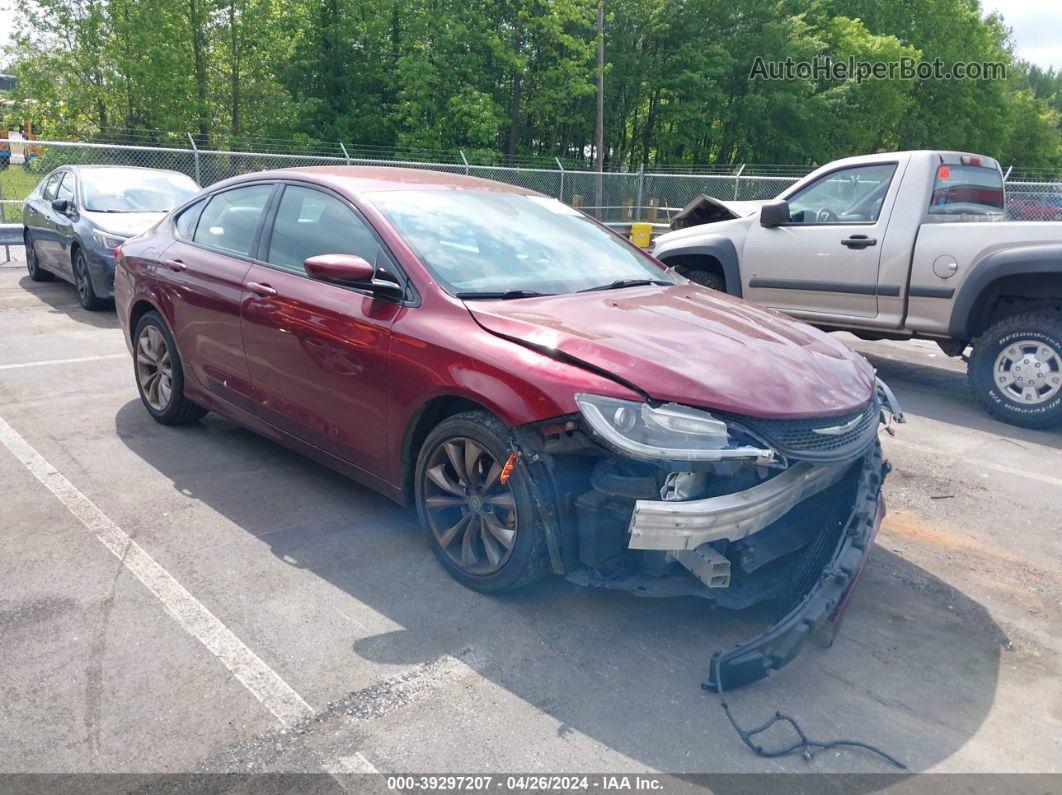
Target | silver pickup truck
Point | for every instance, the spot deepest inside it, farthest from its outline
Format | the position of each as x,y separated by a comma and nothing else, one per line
896,246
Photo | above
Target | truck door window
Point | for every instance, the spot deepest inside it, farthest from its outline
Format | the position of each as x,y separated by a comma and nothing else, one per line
960,190
847,196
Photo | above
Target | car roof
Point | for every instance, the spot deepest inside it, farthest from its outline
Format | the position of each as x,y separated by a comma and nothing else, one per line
371,179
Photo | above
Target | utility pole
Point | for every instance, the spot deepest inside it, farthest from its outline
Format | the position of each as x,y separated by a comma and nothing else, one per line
599,138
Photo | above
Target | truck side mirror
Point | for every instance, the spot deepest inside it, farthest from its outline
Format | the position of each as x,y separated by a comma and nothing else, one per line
774,213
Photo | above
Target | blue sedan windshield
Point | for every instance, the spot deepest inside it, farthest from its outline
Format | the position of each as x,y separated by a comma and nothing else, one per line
134,190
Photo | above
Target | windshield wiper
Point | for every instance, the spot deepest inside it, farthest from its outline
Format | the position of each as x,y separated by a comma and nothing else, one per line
504,295
621,283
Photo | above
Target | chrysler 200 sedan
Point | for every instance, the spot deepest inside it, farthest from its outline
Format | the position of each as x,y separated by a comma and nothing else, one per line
549,397
77,215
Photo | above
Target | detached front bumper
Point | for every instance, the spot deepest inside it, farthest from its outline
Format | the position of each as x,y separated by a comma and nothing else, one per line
819,610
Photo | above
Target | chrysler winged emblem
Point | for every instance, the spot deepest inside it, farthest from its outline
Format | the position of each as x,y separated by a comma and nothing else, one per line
837,430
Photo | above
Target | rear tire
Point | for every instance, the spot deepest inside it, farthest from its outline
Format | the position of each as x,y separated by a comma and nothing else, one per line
1016,370
159,373
33,265
474,510
86,293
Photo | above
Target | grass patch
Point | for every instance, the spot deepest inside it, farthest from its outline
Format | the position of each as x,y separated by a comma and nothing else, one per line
15,183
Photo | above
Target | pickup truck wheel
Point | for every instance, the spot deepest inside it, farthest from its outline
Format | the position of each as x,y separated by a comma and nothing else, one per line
480,520
704,278
1016,370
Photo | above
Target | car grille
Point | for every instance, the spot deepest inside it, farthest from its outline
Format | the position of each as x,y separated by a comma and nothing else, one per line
798,438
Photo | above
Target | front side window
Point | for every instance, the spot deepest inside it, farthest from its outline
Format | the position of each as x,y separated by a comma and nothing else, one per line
66,188
50,184
134,190
484,241
310,222
846,196
967,190
231,218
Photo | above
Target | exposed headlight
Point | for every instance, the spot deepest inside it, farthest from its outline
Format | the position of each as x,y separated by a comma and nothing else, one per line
110,242
670,432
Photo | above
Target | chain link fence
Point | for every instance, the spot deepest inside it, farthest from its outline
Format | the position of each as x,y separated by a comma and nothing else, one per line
612,196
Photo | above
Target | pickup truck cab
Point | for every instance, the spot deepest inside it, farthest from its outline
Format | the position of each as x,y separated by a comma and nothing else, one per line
900,245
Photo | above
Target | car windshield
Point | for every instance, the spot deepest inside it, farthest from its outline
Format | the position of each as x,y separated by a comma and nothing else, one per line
483,243
134,190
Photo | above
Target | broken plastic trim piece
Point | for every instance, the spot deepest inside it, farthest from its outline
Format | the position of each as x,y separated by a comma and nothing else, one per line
775,647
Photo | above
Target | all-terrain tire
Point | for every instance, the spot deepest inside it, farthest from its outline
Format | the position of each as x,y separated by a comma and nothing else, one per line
529,558
711,279
1044,328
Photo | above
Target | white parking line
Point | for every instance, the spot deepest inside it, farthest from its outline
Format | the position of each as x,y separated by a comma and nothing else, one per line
264,683
47,362
1024,473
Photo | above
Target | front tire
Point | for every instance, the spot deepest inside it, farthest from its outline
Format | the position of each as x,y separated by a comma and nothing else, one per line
159,373
86,293
486,533
33,265
710,279
1016,370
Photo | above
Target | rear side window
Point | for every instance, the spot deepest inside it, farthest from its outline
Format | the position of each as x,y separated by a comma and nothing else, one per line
310,222
231,218
967,190
186,220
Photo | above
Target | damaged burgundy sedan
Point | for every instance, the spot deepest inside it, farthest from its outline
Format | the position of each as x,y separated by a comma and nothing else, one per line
550,398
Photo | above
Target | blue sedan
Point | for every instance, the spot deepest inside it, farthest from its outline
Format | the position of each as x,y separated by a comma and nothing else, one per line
78,215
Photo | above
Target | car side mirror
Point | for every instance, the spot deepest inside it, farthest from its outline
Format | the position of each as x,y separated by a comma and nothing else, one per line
61,205
350,269
775,213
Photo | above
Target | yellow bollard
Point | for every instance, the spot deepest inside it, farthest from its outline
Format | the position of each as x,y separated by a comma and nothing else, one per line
641,234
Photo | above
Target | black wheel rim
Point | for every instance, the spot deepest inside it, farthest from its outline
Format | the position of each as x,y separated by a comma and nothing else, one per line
472,514
82,278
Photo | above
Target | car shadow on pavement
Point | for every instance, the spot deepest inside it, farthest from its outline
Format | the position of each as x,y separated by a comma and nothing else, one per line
943,394
913,670
61,296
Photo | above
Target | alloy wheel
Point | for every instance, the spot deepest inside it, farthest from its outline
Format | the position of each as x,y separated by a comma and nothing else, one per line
82,279
471,512
1029,372
153,368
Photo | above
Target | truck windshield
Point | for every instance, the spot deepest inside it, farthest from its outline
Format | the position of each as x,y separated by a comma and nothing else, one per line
967,190
498,244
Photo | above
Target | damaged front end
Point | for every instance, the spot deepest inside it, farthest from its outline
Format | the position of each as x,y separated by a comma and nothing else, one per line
669,501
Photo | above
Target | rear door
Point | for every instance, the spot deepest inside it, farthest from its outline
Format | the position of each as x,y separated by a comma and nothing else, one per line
202,273
318,351
824,263
41,222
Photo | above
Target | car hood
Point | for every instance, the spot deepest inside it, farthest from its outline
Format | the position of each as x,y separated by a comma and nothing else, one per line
123,224
694,346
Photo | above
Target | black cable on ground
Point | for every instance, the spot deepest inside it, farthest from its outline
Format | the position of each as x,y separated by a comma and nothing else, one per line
805,745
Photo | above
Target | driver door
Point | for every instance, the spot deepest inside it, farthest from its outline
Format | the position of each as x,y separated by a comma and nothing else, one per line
823,264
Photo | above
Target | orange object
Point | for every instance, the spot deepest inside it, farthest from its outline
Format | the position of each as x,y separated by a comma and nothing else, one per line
944,173
507,470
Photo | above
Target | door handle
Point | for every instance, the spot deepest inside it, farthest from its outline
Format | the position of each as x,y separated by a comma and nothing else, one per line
261,290
859,241
174,265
